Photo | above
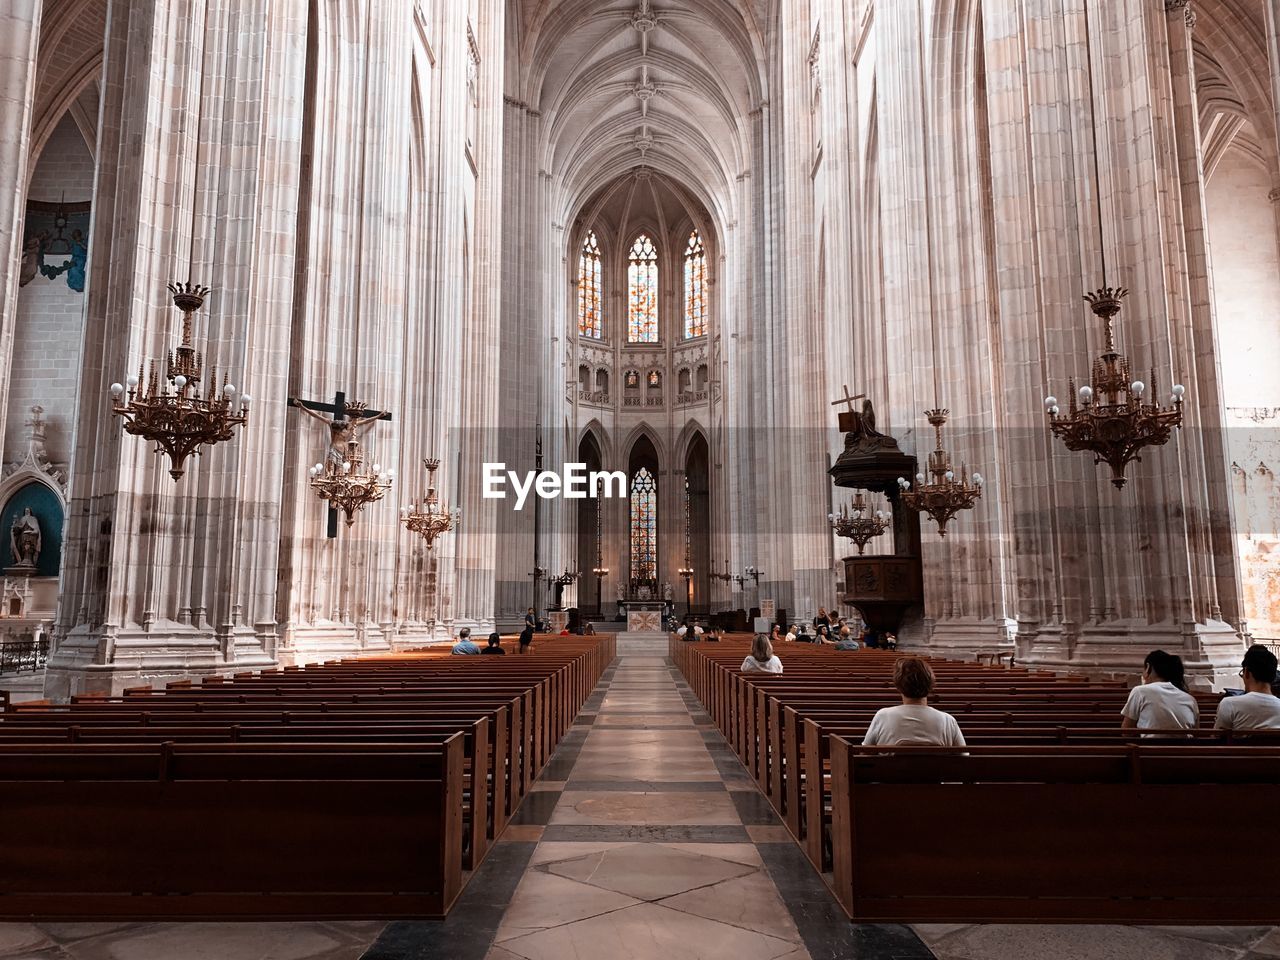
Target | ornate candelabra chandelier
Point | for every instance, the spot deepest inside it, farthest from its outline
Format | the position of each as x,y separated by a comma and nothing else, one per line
1112,422
179,421
859,528
946,494
350,485
429,518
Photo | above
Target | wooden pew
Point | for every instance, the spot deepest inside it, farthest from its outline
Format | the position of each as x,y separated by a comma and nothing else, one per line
495,721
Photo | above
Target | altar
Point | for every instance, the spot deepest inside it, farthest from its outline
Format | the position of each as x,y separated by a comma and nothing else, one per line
644,616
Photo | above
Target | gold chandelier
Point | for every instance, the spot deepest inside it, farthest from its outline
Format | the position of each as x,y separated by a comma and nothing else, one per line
348,486
180,421
858,528
946,495
430,518
1111,421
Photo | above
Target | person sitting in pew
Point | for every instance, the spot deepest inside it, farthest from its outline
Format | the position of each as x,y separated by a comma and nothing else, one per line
526,639
761,659
495,645
914,721
465,645
775,635
1161,701
846,641
1257,708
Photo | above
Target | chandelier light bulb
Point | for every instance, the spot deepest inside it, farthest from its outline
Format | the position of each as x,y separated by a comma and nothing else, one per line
377,468
1054,410
902,483
132,381
391,474
977,480
950,475
229,391
179,381
346,466
1086,394
1137,388
1050,402
1178,391
919,478
117,390
245,400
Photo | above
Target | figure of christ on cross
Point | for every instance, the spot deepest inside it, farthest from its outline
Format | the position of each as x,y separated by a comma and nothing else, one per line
348,423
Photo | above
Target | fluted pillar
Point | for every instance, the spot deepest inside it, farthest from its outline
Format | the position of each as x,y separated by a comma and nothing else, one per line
19,39
163,579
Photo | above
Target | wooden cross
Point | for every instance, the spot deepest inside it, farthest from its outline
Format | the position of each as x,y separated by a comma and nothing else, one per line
846,399
339,410
846,419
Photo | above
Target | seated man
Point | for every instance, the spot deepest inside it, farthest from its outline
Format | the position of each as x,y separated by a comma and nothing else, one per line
846,641
465,646
914,722
494,647
1257,708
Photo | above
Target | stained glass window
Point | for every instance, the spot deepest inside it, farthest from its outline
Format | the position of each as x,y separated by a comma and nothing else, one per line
655,378
633,379
695,287
642,292
644,526
589,324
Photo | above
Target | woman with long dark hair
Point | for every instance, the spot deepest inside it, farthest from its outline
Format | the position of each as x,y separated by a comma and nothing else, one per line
1161,701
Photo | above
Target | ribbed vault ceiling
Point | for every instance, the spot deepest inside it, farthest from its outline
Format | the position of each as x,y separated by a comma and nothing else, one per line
628,84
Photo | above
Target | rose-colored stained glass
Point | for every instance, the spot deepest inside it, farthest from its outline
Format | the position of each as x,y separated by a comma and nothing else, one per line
590,323
695,288
642,292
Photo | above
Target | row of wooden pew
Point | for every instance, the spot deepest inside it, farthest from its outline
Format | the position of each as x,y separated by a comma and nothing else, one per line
1051,813
363,788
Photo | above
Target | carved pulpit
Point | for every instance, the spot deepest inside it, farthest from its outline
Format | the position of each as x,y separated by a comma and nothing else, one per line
885,587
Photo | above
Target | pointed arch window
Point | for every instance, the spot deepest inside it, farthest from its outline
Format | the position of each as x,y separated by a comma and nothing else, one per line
642,292
644,526
589,320
695,287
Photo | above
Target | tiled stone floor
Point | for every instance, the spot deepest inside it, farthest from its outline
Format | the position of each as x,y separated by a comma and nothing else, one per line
643,838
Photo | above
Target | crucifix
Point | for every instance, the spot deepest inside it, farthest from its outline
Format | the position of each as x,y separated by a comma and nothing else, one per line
847,423
349,421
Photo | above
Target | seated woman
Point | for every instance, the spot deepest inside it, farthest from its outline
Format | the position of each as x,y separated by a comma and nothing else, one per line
761,658
495,645
914,721
1161,701
775,635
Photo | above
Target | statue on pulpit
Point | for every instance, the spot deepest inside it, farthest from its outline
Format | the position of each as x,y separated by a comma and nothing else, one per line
861,435
25,540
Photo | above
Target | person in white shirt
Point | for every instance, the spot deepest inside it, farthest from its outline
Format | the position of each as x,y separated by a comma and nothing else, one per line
791,634
682,630
1257,708
914,722
761,658
1161,701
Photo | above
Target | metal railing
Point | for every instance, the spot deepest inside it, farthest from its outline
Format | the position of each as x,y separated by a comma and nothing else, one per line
17,656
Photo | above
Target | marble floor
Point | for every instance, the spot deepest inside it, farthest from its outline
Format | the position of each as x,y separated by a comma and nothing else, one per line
643,838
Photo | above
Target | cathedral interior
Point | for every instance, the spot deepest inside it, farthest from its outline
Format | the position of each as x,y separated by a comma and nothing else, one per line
954,321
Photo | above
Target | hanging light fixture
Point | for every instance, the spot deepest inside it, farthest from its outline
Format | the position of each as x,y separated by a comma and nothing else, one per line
349,486
177,419
945,495
1111,421
429,518
858,528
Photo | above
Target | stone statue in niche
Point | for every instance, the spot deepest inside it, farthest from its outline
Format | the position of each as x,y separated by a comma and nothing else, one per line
25,540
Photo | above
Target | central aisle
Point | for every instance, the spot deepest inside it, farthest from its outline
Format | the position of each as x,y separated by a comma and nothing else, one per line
644,839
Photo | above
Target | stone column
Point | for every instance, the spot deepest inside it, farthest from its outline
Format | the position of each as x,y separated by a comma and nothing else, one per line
197,180
478,548
19,40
